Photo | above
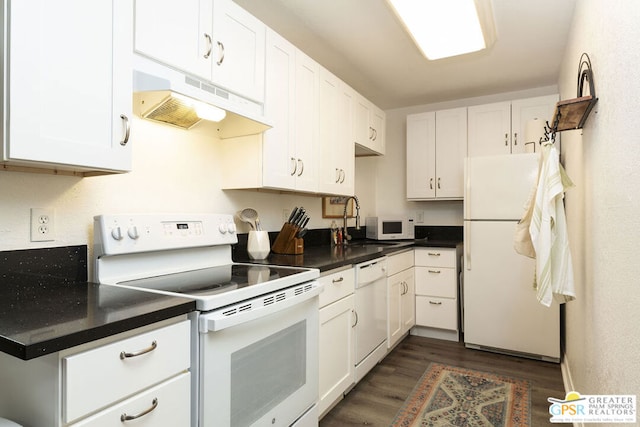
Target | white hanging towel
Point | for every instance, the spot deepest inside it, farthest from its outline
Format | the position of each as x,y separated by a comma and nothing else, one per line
548,229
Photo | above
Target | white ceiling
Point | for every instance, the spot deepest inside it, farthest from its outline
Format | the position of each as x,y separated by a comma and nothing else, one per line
362,43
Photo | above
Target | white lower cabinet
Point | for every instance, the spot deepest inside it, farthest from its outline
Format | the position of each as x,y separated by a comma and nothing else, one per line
401,309
126,367
142,377
436,287
166,404
337,356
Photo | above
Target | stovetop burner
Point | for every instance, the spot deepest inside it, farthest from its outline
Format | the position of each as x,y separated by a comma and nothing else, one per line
213,280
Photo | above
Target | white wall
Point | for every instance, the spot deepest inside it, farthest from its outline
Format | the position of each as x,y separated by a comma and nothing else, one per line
173,171
602,339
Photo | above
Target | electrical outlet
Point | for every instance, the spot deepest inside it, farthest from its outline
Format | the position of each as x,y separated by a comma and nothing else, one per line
42,225
420,217
285,214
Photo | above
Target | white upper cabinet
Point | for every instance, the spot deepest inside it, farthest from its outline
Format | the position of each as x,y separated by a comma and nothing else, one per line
337,162
370,127
68,83
436,148
285,157
216,40
499,128
523,110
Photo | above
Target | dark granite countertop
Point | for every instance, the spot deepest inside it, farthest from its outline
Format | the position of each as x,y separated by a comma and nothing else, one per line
324,257
47,305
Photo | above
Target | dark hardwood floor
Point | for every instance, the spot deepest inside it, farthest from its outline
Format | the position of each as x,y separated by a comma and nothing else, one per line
375,400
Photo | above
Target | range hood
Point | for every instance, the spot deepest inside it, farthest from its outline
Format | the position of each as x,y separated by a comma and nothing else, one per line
169,96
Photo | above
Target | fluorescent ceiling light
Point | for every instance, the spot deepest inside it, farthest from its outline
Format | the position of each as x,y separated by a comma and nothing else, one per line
443,28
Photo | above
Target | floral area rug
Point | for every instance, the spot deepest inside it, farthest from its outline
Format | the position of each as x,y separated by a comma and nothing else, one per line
452,396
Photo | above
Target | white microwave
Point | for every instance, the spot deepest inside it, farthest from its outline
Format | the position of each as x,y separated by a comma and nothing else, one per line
389,228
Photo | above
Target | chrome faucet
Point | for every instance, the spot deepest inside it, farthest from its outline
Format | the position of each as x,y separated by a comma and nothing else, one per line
347,236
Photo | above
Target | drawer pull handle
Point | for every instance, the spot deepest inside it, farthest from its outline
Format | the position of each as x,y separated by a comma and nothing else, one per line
435,302
125,355
434,253
355,314
340,279
435,271
125,417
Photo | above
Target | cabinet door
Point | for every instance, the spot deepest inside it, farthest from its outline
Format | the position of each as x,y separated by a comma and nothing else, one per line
421,160
362,129
336,359
238,50
279,161
451,149
306,122
377,122
395,289
329,101
408,303
70,96
336,156
523,110
176,33
345,136
489,128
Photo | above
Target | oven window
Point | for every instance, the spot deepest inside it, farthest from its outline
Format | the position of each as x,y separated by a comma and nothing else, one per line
392,227
265,373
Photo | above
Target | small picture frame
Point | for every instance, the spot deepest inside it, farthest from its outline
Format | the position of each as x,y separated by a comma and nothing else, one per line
333,207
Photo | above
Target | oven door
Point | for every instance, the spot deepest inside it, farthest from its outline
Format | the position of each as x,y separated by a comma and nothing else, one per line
259,366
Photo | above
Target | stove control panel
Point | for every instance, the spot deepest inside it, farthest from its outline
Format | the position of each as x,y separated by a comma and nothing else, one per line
130,233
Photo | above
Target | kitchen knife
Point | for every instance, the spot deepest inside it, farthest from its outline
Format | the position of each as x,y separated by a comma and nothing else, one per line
294,212
298,217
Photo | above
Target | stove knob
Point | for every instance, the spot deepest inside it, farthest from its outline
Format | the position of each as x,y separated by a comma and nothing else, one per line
222,228
116,233
231,227
133,232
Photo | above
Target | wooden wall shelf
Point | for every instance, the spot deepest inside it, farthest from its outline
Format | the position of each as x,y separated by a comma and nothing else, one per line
573,113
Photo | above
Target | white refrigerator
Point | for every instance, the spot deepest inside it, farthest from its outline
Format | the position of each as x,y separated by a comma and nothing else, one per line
500,309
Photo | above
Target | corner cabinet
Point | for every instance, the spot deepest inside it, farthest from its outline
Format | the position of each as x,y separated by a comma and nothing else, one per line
499,128
216,40
436,148
67,98
369,128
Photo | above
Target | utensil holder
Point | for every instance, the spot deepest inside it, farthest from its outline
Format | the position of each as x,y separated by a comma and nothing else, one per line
258,244
287,243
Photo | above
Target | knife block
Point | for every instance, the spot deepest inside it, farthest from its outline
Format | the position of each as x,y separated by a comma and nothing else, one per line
287,243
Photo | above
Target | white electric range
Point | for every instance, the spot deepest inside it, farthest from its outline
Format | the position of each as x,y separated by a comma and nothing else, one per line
256,341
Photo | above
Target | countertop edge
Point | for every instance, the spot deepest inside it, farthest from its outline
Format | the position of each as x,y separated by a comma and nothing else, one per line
32,351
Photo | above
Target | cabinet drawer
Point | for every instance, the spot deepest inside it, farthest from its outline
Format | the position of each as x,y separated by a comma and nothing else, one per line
170,401
437,312
399,262
99,377
336,286
436,281
436,257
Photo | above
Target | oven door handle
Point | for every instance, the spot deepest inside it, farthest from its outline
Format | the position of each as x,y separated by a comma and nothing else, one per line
214,322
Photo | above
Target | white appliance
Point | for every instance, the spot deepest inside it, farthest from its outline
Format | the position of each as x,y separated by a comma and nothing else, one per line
389,227
501,312
371,315
255,335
